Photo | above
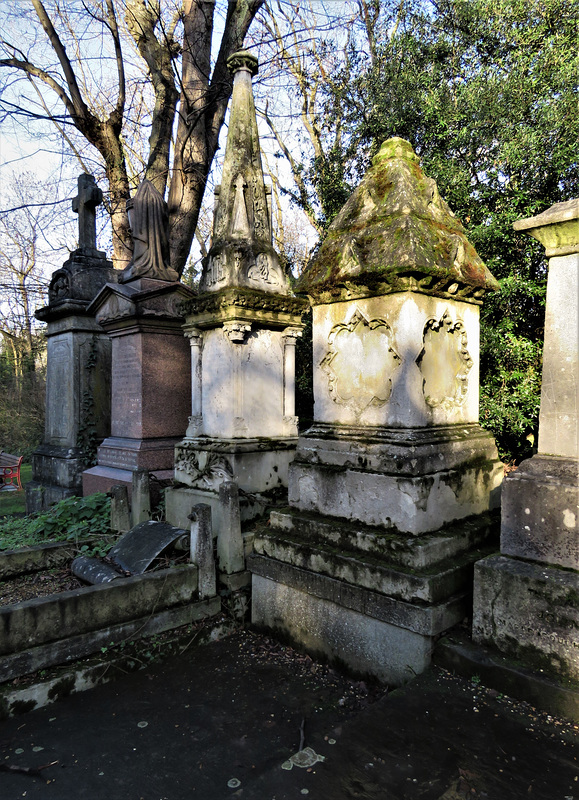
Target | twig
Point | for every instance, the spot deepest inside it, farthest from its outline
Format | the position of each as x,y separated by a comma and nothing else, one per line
302,735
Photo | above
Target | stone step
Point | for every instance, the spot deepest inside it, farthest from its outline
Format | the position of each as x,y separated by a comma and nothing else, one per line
409,552
369,571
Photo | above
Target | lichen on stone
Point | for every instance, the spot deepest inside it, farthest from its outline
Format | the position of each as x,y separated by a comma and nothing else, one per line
396,233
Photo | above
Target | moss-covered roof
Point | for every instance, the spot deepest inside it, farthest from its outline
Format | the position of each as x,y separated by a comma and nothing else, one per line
396,225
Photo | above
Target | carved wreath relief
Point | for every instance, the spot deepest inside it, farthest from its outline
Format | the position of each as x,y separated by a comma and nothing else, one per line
205,470
444,362
360,362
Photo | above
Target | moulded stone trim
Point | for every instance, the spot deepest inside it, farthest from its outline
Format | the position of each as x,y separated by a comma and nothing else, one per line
444,362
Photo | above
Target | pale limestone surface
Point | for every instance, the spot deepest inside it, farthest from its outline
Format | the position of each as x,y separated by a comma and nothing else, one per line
526,601
559,415
396,451
242,329
400,360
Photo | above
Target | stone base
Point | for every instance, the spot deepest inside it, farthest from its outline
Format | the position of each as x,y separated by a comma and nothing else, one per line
257,465
459,655
369,598
131,454
412,480
180,500
57,474
529,612
102,479
366,633
39,496
540,512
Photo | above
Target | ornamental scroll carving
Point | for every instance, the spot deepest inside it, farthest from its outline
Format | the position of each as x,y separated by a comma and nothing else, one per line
444,362
360,362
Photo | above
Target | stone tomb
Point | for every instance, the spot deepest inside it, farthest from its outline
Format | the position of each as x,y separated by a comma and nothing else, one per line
151,376
526,600
392,489
242,329
78,389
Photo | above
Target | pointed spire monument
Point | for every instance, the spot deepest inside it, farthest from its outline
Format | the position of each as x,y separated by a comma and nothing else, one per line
241,252
242,328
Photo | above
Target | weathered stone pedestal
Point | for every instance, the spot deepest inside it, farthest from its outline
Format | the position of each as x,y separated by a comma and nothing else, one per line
78,391
393,488
526,601
150,380
242,329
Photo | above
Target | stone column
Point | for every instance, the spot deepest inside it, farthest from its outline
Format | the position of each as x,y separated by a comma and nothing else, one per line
290,337
525,601
195,337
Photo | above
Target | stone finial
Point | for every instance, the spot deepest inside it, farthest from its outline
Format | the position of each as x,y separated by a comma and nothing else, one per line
84,204
241,252
149,222
396,233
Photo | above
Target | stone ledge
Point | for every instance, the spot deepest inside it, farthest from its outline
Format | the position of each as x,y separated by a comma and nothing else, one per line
457,653
411,552
424,620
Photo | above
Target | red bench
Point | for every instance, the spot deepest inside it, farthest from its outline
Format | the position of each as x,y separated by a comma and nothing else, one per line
10,470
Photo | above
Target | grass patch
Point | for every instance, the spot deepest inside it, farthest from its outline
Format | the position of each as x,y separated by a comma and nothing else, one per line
14,502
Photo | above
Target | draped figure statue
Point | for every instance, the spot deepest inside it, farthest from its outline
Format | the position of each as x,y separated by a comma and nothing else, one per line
149,223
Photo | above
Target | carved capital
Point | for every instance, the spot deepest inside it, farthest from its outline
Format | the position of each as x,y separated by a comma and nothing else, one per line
195,336
236,331
291,335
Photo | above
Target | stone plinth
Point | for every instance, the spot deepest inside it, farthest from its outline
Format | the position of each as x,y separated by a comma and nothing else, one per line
78,391
150,379
538,571
393,487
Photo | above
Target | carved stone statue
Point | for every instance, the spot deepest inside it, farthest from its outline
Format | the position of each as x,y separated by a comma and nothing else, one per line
149,222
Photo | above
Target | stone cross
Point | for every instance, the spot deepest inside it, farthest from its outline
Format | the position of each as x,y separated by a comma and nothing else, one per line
84,204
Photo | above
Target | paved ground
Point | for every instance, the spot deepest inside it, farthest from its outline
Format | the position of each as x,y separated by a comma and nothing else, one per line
222,720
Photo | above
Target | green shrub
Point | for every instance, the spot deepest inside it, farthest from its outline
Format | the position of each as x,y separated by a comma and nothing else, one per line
73,519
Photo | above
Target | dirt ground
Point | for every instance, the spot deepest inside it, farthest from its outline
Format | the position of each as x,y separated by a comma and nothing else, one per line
224,720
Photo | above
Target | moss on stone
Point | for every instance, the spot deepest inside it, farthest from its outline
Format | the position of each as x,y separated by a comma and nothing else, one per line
394,226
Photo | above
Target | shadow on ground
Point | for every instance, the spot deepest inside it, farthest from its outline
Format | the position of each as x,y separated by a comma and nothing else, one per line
222,721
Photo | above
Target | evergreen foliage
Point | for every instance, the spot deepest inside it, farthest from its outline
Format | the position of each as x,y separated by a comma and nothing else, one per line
486,92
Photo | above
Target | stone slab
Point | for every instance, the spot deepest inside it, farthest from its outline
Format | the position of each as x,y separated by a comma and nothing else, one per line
414,552
39,497
529,612
132,454
540,512
33,559
180,500
362,644
48,619
71,648
256,465
427,620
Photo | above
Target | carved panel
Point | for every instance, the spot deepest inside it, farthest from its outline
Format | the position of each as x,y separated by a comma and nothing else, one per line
360,362
444,362
215,270
264,271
